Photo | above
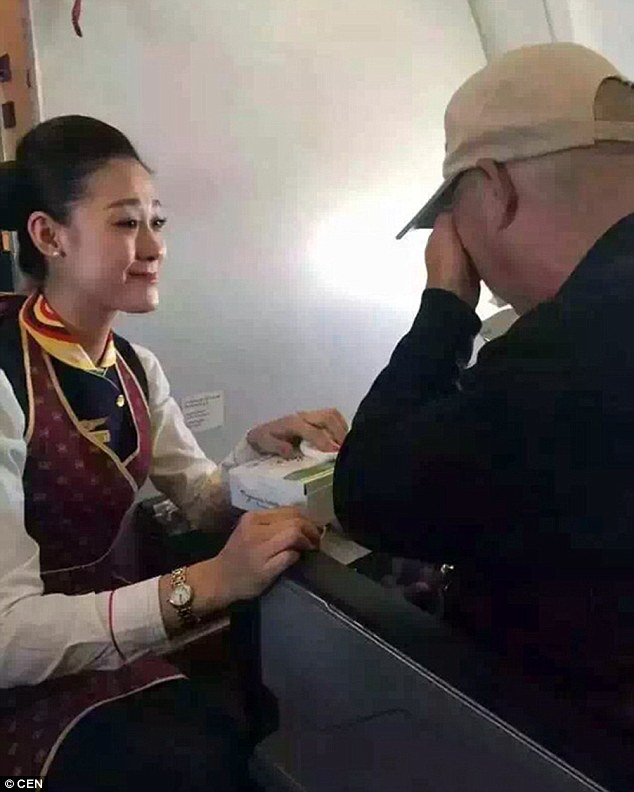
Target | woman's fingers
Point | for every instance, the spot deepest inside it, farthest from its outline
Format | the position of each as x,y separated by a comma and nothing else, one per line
280,563
266,525
316,436
336,424
276,515
331,422
291,537
280,447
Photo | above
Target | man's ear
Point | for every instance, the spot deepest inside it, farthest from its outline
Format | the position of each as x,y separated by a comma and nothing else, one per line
45,234
502,192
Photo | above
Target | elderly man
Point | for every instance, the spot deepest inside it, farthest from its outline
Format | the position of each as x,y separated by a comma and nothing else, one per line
519,471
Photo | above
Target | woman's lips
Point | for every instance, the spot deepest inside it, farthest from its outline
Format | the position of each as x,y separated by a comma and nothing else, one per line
148,277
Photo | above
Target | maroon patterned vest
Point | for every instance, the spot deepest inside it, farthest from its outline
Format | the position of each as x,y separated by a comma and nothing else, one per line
76,494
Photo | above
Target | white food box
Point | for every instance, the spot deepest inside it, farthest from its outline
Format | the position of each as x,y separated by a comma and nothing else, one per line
272,481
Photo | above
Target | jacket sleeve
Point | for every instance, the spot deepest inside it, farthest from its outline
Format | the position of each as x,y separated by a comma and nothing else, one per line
426,469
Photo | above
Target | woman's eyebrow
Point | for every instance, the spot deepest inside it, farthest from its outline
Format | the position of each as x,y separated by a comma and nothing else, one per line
133,202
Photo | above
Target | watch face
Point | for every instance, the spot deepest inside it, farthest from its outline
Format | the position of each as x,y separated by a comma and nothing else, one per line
180,595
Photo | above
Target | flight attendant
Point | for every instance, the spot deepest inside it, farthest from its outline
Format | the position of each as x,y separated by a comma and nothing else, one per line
85,419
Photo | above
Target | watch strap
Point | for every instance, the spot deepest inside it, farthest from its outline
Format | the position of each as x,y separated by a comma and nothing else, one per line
178,577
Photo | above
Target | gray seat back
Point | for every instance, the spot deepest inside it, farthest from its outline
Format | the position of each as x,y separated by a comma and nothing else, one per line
359,713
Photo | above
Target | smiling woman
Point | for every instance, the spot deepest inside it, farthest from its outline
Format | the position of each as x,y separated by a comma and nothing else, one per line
85,419
93,233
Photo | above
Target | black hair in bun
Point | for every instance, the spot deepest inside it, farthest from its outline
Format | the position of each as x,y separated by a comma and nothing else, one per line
54,162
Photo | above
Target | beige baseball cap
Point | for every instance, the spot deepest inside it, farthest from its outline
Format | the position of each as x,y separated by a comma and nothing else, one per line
529,102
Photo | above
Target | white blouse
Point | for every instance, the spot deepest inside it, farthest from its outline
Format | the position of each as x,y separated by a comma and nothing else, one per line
48,635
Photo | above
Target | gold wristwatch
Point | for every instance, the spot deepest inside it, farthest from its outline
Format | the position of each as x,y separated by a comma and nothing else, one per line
182,596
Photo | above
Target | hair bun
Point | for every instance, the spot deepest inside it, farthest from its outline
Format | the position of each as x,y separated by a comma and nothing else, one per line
11,198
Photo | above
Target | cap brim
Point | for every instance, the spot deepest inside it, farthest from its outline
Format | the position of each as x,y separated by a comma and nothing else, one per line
439,202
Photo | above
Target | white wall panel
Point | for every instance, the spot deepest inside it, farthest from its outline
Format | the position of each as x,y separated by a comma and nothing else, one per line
292,140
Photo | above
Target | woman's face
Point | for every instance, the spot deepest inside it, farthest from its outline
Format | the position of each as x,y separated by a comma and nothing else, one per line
113,246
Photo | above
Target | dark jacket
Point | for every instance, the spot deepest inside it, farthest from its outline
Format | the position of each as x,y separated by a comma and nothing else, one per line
519,470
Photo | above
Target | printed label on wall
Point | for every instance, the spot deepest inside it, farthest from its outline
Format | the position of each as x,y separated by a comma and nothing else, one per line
204,411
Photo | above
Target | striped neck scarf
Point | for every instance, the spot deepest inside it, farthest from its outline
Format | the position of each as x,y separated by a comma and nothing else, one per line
47,328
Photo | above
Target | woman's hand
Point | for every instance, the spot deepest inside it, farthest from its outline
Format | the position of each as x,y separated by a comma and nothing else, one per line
324,429
261,547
